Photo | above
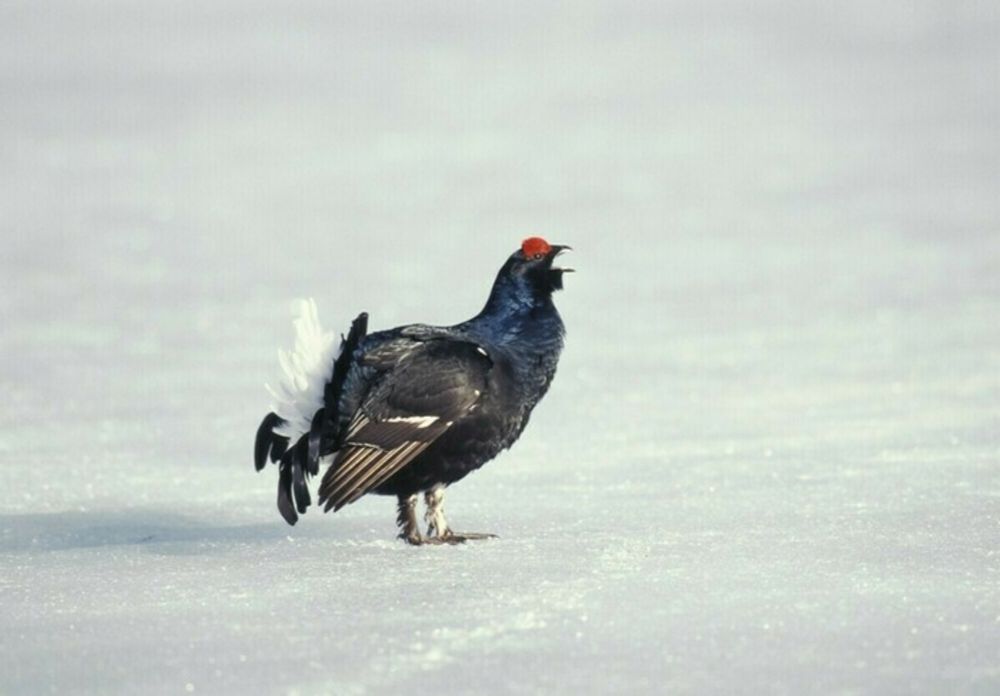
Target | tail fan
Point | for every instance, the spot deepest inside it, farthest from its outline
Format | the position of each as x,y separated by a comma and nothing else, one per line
291,434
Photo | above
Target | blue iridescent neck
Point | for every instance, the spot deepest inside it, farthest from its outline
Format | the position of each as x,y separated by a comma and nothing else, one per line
518,311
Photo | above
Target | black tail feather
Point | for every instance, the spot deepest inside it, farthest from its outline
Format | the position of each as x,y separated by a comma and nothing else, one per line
315,439
278,448
331,396
302,498
285,506
266,439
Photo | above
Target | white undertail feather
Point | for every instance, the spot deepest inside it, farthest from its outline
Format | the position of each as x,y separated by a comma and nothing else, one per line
306,369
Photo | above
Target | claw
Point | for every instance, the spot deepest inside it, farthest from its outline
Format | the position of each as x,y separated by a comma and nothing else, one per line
451,537
439,541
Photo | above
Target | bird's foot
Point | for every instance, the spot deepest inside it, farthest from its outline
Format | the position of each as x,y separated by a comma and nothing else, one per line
414,539
451,537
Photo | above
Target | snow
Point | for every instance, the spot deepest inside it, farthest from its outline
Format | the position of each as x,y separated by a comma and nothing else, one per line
770,461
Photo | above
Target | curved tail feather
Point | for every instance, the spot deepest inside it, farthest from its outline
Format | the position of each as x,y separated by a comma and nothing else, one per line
267,442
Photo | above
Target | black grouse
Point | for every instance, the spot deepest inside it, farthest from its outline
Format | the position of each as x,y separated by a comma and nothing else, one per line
416,408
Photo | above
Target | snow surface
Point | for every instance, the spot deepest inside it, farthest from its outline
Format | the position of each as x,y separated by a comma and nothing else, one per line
770,462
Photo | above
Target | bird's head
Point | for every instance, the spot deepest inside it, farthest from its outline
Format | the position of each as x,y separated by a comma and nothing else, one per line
527,280
532,267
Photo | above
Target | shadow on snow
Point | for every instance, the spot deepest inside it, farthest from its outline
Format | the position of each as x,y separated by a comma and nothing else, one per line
164,532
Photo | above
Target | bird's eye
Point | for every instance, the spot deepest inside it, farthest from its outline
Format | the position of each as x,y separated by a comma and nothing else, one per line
537,256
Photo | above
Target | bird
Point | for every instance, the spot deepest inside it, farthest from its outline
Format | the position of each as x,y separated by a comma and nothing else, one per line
411,410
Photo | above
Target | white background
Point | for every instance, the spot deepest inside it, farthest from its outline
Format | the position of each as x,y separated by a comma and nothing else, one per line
770,461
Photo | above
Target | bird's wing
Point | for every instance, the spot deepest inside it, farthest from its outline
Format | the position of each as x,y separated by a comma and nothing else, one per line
407,408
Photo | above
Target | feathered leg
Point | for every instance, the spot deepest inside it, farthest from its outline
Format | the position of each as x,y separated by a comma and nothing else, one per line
437,525
406,520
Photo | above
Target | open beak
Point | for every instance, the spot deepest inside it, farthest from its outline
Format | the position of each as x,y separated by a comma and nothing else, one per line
556,250
555,274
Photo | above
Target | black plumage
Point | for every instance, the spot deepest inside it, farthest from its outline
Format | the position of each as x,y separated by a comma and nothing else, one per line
416,408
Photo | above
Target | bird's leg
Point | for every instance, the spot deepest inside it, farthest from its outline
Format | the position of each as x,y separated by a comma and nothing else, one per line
406,520
437,526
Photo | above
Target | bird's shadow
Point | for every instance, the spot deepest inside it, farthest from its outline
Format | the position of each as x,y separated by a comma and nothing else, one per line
154,530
